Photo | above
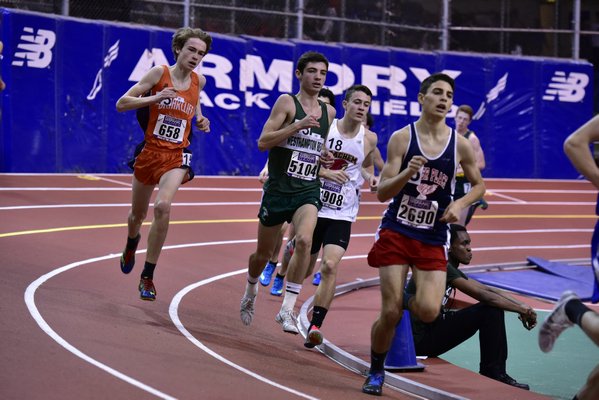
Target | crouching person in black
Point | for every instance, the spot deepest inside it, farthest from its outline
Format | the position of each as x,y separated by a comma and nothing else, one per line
487,317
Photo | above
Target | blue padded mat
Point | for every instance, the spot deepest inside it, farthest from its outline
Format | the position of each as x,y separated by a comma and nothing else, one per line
537,282
577,272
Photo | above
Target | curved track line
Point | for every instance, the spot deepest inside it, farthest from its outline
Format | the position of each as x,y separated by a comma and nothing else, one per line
173,307
30,301
33,310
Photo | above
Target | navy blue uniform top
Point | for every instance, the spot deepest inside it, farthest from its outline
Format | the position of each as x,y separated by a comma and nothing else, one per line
416,209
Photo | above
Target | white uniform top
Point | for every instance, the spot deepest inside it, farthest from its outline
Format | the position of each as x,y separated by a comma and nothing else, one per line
341,202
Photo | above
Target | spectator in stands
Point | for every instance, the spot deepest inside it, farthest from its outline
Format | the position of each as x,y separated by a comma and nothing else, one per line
453,327
462,185
167,99
569,310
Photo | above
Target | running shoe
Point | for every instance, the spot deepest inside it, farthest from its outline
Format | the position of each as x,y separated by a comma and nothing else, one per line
266,275
147,291
128,257
246,309
374,383
287,320
277,286
556,322
316,279
314,337
483,204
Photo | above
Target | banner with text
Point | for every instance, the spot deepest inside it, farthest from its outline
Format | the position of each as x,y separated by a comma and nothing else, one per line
65,75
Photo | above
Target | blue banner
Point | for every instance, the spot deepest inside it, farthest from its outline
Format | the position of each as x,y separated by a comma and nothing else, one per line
65,75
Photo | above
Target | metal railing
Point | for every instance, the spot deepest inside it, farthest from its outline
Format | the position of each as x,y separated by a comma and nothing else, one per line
555,28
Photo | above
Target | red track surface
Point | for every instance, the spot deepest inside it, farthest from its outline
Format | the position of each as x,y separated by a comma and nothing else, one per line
90,307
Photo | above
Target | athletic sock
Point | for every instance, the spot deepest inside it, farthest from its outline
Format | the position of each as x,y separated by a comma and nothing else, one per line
148,271
251,279
574,310
280,276
377,361
318,314
292,290
132,243
251,289
273,263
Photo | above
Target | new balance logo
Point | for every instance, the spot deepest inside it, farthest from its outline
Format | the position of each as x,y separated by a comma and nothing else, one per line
567,88
37,48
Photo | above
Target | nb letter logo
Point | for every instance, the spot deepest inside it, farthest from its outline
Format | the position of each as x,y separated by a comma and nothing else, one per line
37,48
567,88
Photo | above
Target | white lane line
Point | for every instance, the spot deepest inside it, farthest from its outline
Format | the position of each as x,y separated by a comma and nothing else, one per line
569,191
173,312
122,189
545,203
33,310
128,175
30,301
113,181
525,231
506,231
99,205
515,200
253,203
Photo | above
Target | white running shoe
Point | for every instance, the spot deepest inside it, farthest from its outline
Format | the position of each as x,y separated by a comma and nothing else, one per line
555,323
246,310
287,320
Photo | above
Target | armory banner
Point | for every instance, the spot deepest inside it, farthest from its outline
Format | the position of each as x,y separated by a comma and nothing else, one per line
65,75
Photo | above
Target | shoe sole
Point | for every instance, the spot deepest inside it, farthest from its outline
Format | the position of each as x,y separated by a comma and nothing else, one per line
372,392
313,339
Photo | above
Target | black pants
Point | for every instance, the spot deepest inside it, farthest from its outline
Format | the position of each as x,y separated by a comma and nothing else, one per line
455,327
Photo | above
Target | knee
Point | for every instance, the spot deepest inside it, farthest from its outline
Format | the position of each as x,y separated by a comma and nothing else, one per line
391,316
162,209
491,312
303,243
428,314
328,267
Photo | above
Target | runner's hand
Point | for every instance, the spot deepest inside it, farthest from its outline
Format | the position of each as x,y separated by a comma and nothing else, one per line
203,124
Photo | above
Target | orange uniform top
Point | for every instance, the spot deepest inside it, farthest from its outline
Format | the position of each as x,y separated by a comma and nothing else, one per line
167,125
